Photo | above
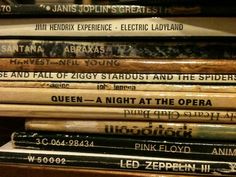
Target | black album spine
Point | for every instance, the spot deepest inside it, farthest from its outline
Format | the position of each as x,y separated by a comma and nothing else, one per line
118,162
122,2
82,10
197,149
116,49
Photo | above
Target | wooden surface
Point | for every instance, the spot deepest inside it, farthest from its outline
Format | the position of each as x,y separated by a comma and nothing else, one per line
11,170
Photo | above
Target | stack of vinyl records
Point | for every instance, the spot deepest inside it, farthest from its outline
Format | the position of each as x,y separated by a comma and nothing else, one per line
118,87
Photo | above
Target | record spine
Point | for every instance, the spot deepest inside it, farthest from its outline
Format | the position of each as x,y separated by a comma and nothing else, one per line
119,162
137,128
117,27
66,10
115,49
224,66
119,77
120,86
115,98
120,145
104,113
